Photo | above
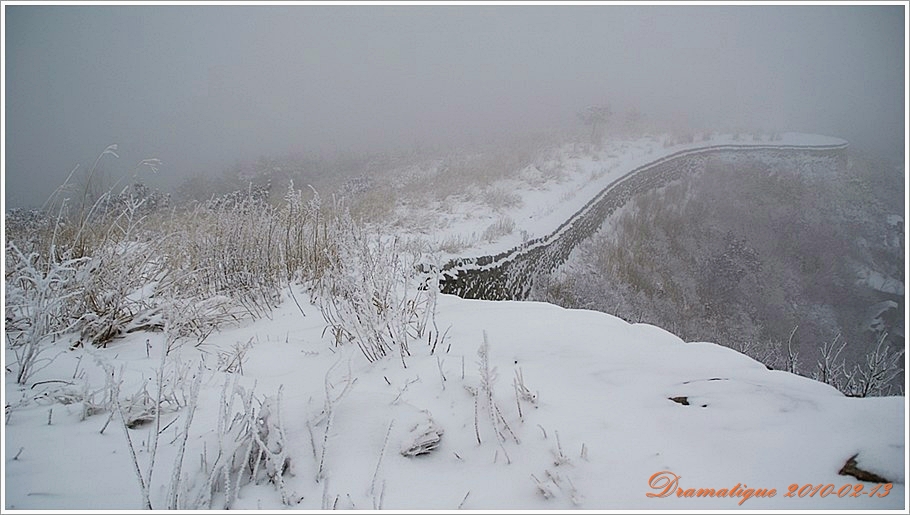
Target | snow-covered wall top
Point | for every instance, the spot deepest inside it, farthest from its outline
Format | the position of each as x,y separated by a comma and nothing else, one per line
508,274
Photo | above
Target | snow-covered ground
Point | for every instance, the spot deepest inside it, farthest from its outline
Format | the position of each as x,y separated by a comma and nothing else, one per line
596,423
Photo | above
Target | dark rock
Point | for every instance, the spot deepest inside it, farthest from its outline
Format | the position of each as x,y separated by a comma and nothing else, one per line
850,469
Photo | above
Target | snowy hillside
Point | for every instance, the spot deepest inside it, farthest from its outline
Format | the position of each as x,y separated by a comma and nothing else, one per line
257,398
537,199
596,421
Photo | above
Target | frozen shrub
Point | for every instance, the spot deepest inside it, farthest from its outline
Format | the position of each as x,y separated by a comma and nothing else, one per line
502,227
499,198
250,446
369,294
39,305
113,292
876,374
453,244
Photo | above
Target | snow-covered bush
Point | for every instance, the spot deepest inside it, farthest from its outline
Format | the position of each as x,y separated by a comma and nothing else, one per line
250,448
115,291
89,257
876,374
502,227
454,243
369,294
828,369
501,199
39,304
484,399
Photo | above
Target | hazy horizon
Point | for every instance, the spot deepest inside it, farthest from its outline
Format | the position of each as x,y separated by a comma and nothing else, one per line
200,87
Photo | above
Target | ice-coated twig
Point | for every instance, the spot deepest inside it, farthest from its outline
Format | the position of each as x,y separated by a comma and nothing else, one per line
404,389
461,504
385,444
542,488
178,461
559,457
330,403
441,373
143,484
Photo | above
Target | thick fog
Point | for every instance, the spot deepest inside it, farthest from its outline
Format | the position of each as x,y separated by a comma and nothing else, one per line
200,87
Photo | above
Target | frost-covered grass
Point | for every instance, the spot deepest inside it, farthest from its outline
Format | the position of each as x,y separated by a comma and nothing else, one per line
94,278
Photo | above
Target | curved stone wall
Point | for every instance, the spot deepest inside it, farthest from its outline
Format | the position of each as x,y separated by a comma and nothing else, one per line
510,274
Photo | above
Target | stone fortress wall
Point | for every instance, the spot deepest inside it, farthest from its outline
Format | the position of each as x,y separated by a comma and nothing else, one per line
510,275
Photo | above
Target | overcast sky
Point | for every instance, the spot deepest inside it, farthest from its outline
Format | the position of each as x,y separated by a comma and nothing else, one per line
202,86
